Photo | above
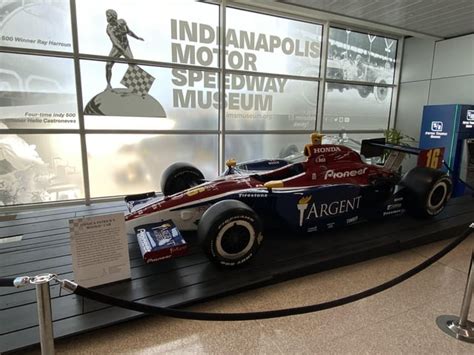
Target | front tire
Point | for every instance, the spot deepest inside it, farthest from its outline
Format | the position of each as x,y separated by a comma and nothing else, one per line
179,177
428,191
230,233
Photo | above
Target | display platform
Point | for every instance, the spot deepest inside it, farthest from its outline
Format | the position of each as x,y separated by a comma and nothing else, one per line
190,279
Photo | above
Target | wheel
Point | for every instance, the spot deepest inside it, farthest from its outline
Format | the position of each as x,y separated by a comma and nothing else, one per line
364,91
381,92
230,233
180,176
428,191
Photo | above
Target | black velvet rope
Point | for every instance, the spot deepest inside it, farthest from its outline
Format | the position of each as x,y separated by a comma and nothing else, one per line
183,314
7,282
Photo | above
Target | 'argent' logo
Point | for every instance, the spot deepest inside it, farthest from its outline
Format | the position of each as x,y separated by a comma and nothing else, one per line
302,206
334,208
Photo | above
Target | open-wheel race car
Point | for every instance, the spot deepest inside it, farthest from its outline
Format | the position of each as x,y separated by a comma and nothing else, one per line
332,187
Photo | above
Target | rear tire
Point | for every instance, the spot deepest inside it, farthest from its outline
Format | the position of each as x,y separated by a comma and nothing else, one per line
230,233
428,191
179,177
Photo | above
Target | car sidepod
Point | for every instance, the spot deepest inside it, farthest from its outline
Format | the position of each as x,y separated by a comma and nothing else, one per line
319,208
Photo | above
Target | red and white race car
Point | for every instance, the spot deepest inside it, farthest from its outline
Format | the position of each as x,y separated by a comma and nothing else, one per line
333,187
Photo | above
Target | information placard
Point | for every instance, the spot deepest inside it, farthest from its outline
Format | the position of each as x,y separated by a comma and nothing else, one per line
99,249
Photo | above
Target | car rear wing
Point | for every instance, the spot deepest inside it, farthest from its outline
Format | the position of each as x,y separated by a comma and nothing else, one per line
376,147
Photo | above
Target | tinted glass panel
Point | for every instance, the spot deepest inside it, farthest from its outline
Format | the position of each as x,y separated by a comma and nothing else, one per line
128,164
37,92
182,31
36,24
256,146
265,103
360,56
144,97
40,168
356,107
271,44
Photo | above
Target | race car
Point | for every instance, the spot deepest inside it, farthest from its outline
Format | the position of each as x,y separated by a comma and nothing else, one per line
332,187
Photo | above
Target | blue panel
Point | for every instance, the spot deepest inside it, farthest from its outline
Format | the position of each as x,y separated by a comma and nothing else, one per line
466,121
319,208
438,129
448,126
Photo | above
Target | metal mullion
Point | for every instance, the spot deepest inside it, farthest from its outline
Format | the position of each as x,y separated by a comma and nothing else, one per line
151,63
222,95
322,74
39,131
80,112
38,205
150,132
392,118
273,75
360,83
331,131
36,52
283,132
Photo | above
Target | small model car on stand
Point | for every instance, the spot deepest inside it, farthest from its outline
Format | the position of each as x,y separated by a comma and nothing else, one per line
332,187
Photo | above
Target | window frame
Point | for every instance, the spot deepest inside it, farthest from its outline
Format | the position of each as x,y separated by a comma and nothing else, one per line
221,129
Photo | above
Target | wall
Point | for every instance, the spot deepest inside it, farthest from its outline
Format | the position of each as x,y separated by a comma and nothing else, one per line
439,72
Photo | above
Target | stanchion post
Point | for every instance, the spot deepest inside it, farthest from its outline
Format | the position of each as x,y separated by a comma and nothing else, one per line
466,301
45,319
459,327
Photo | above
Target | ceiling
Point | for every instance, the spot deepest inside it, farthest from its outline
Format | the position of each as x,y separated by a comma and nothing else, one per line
439,18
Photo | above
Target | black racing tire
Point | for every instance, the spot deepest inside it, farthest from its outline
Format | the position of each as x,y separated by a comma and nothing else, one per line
427,191
230,232
180,176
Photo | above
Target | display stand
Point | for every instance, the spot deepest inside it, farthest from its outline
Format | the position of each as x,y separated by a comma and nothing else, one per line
192,278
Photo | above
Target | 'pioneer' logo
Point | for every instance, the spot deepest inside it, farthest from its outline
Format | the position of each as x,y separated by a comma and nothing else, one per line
331,174
326,150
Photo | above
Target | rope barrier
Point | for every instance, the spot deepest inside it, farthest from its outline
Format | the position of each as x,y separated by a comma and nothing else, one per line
14,281
7,282
183,314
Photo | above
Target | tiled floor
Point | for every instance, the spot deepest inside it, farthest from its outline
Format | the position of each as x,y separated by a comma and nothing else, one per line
399,320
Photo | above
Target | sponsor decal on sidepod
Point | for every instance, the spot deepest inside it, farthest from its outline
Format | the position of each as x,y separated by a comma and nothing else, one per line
325,209
331,174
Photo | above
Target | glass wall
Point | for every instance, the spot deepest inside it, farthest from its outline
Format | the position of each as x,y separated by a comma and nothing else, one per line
142,91
360,74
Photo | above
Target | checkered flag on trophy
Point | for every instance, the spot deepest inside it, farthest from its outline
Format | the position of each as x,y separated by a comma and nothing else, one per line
137,80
